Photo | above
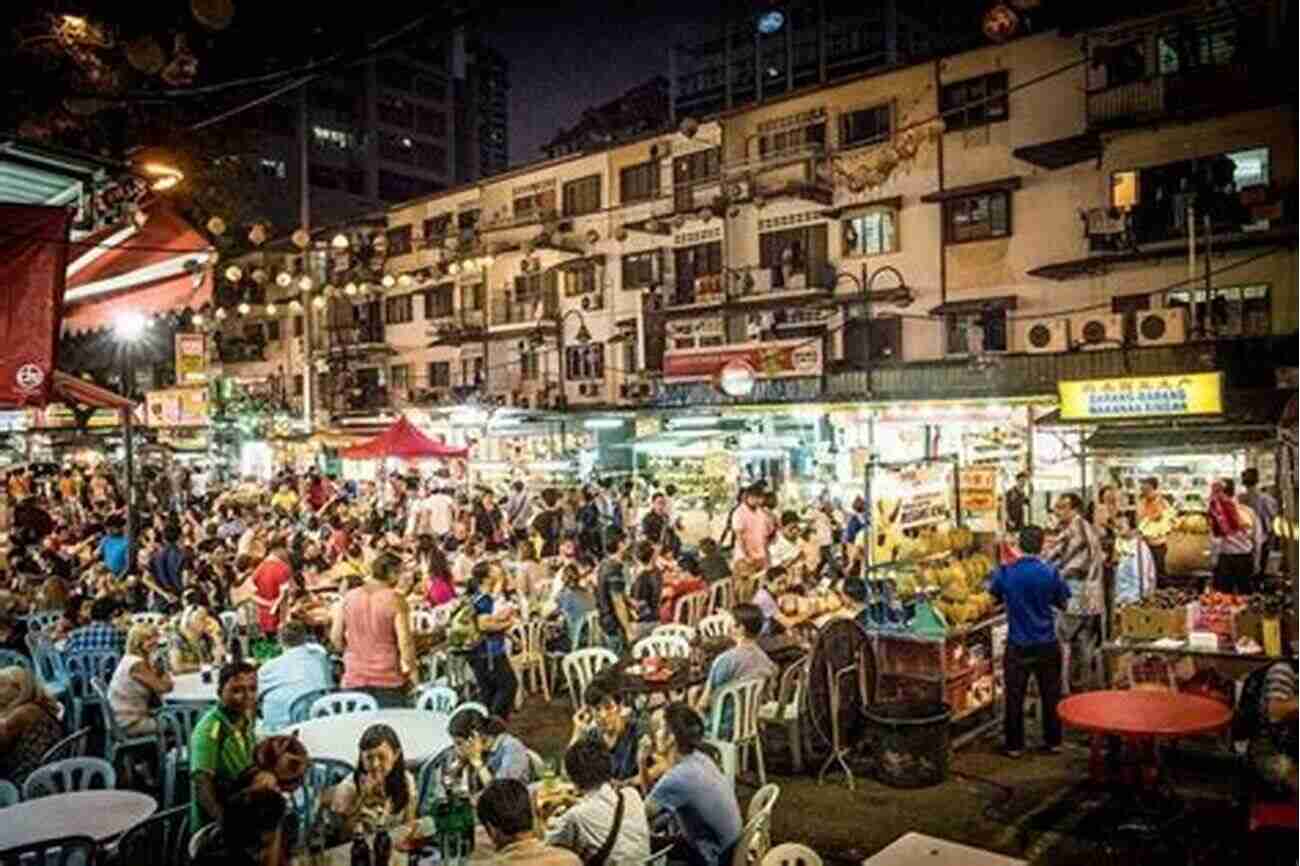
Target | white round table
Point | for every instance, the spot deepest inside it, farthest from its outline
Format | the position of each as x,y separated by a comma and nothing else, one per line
101,815
190,689
423,734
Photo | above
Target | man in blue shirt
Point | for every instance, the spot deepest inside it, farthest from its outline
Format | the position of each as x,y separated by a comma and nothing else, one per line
302,667
113,548
167,568
1031,589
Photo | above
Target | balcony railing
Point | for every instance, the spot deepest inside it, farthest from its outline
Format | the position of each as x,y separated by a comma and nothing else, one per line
237,351
524,312
1197,91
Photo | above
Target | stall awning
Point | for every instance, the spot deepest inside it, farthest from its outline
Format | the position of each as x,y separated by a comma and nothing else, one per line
70,389
1193,440
170,293
677,441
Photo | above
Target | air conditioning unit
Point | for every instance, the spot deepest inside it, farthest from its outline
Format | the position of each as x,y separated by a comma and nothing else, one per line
1041,335
1162,327
739,189
1097,330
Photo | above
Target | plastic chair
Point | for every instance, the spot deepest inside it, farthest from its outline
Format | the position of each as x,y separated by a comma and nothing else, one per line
691,608
784,711
429,780
71,746
116,739
721,597
589,634
12,659
580,668
658,858
300,707
451,670
756,837
64,851
530,661
70,774
536,766
43,620
339,703
229,623
157,620
437,699
745,697
717,625
322,773
423,622
83,667
201,839
9,793
791,854
661,646
673,629
156,841
176,723
47,664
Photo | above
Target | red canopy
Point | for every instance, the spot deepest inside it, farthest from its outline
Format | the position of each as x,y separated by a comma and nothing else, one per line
401,440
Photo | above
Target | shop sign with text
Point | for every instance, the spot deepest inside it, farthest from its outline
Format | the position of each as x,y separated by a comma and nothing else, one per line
1142,397
765,391
177,407
978,490
777,359
191,359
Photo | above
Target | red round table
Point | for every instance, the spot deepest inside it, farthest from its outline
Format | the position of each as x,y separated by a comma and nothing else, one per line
1143,713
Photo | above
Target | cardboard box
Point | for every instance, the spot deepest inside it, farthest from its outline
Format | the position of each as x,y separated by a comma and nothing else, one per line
1149,623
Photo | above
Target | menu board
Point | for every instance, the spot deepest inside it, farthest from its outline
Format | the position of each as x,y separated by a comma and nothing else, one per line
915,495
978,489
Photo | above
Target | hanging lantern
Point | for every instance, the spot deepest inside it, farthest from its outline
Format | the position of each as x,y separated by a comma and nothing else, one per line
220,314
318,302
257,234
244,309
213,14
389,281
217,225
295,307
284,279
234,274
272,309
488,260
406,281
304,283
145,55
300,239
350,289
259,276
1000,22
340,242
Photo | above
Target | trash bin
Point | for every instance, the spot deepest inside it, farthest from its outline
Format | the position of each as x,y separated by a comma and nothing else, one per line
911,742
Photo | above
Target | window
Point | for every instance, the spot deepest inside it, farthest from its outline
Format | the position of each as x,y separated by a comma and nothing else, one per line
297,384
866,126
399,240
642,270
273,331
872,233
794,253
584,362
696,333
579,281
440,374
975,332
975,101
271,168
529,366
701,260
467,220
582,196
471,297
435,228
976,217
528,287
399,376
791,140
297,326
398,187
398,310
471,370
327,136
534,202
699,166
439,302
639,182
1233,311
253,333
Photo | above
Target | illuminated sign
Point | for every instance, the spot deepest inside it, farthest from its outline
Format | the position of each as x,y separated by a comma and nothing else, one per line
1142,397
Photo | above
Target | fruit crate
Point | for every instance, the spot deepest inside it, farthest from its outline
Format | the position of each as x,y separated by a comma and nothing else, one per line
1149,623
1219,620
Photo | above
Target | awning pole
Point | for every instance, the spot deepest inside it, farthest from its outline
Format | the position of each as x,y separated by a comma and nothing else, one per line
129,432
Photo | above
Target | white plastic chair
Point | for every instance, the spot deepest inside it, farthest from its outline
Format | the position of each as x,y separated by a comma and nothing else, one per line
791,854
529,661
423,622
784,711
437,699
199,840
717,625
745,697
340,703
589,632
756,838
721,597
691,608
685,632
580,668
466,707
664,646
158,620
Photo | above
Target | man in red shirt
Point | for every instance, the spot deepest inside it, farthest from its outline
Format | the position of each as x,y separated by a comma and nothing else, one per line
319,490
269,580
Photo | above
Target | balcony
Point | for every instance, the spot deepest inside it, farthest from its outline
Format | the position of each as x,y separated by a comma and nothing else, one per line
1196,92
454,330
530,312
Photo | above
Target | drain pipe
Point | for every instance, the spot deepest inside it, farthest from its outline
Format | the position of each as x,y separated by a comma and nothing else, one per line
943,228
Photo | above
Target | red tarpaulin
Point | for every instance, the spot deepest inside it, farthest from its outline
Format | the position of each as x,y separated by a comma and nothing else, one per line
404,441
33,264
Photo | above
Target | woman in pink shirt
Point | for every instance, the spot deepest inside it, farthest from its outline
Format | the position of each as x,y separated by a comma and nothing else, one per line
372,627
438,588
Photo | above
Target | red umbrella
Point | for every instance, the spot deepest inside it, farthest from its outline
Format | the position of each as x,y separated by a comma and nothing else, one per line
404,441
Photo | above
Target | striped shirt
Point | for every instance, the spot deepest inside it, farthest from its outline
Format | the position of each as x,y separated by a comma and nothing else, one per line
1280,684
1078,556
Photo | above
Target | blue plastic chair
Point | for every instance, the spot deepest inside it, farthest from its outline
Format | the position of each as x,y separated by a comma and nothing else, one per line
47,664
341,703
82,667
429,781
322,773
300,707
43,620
9,793
65,851
437,699
71,774
12,659
116,739
71,746
176,723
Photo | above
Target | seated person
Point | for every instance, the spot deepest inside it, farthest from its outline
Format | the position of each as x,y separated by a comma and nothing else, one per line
221,745
775,620
197,639
250,832
606,722
683,581
745,661
136,685
646,589
101,633
484,751
300,668
686,783
381,792
713,565
29,723
506,812
598,828
1273,748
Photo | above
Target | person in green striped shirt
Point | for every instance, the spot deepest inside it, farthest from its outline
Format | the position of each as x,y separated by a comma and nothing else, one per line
221,747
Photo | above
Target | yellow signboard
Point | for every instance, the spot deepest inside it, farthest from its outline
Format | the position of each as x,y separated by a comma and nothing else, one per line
1142,397
191,359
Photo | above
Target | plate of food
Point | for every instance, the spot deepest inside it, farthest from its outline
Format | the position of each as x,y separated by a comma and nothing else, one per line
633,670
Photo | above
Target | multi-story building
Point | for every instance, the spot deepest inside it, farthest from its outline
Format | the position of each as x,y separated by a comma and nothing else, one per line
643,109
481,80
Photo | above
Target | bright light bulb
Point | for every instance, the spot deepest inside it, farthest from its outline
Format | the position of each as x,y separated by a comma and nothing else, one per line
405,281
197,320
244,309
304,283
389,281
130,327
487,261
295,307
318,302
340,241
272,309
234,274
220,314
284,279
453,268
350,289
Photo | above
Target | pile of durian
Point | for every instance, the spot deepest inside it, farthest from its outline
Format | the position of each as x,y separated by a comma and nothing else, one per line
961,585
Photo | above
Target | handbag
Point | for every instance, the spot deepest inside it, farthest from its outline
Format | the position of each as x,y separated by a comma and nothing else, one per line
603,852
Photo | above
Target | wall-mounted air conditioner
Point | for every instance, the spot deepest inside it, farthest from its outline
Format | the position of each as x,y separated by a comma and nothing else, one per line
1162,327
1040,335
1097,330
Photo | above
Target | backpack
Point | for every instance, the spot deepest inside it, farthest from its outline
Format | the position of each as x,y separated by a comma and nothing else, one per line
463,635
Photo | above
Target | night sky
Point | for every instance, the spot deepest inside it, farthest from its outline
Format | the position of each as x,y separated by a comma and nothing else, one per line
569,56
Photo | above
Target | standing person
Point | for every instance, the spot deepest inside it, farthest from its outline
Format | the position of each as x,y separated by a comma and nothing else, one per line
611,594
496,679
1265,508
167,567
489,522
752,527
1017,503
589,523
373,630
858,521
1154,520
1106,510
519,511
221,747
1236,539
270,580
657,526
1076,552
548,523
113,547
1031,590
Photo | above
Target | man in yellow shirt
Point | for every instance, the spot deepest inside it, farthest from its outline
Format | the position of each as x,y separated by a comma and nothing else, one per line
285,499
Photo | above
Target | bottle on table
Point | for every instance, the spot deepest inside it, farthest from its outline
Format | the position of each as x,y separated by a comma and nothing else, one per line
360,851
382,848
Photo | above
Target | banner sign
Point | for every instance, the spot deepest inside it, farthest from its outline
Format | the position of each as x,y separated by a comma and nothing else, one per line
177,407
978,490
777,359
191,359
33,268
1142,397
765,391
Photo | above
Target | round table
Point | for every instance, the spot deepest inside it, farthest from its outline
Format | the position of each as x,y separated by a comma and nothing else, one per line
619,681
190,689
101,815
1143,713
423,734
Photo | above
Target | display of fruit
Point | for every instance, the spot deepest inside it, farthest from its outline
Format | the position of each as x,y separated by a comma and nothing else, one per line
1222,601
1269,603
1167,599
